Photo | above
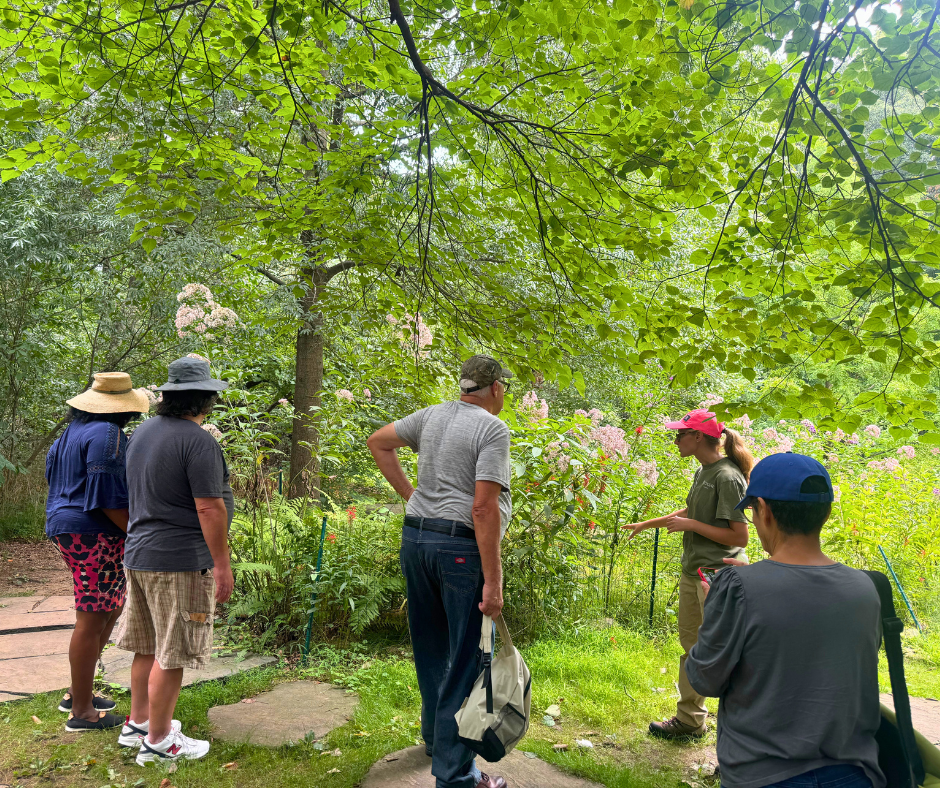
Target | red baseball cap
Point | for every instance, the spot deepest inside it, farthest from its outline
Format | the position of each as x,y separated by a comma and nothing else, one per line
701,420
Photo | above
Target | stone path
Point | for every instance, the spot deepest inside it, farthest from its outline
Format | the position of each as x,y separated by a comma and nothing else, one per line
34,644
34,650
288,713
117,667
926,715
411,768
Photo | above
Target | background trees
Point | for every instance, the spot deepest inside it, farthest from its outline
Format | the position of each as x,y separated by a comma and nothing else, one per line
735,187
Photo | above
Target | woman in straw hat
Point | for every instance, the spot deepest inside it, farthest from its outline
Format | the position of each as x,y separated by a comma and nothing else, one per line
86,518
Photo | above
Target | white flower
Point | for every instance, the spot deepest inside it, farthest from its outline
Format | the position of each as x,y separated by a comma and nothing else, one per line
214,431
345,394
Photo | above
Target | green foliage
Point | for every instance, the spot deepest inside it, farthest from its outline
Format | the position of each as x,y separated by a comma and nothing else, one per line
645,181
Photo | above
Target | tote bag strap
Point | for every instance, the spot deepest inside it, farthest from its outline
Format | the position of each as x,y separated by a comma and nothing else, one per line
486,646
891,628
503,631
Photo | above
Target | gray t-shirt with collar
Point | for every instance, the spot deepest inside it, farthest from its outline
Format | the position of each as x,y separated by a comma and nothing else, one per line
458,444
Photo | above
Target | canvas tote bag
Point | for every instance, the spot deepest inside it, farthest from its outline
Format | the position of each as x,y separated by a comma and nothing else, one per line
495,716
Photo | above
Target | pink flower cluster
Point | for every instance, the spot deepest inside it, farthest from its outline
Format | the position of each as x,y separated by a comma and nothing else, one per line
710,399
889,464
345,394
203,316
810,427
413,333
151,396
593,414
214,431
873,431
648,471
283,403
367,394
532,408
612,441
770,434
907,451
745,421
555,455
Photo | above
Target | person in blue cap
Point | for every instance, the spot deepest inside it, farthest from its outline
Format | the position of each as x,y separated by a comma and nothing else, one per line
789,645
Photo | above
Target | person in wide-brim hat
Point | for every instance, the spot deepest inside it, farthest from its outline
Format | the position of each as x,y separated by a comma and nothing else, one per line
111,392
191,374
86,519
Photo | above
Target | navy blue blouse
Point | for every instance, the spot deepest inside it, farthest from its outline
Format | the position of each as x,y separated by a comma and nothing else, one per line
85,471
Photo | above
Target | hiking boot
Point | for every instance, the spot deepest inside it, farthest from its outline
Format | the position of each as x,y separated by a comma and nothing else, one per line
105,721
174,747
133,733
491,782
676,729
100,704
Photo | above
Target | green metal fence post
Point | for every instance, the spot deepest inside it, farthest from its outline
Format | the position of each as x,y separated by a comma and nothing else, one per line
898,584
313,598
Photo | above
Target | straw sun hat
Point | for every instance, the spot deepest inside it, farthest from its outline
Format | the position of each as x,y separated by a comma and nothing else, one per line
111,393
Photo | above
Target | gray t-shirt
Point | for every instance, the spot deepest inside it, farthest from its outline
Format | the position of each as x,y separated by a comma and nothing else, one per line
716,489
792,653
458,444
170,462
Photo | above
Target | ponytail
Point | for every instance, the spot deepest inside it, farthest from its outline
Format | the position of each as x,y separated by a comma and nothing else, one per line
738,453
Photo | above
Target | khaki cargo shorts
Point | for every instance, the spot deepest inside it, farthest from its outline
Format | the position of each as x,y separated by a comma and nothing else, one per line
169,615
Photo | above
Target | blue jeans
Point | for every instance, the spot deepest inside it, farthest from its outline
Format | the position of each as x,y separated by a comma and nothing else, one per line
445,586
842,776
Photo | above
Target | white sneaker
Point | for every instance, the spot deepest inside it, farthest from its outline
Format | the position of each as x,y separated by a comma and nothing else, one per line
174,747
133,733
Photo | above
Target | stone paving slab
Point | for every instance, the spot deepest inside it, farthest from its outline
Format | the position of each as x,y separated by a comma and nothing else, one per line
55,603
31,675
30,612
35,644
411,768
288,713
925,712
117,667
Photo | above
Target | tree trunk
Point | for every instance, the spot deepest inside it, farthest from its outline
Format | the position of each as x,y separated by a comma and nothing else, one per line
304,475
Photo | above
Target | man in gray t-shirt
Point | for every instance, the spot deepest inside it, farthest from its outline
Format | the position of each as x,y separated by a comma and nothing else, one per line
450,553
790,646
176,558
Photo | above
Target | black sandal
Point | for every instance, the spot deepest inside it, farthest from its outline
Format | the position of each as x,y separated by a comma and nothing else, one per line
106,720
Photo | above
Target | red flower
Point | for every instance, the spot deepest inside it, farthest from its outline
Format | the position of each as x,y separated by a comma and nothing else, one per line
351,513
331,537
639,430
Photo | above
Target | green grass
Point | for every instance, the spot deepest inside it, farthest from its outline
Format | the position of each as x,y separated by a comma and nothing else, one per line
609,685
23,521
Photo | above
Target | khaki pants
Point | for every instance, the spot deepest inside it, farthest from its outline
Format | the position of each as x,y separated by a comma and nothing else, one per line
691,706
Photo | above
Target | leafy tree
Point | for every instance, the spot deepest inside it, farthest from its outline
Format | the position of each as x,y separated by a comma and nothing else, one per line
515,170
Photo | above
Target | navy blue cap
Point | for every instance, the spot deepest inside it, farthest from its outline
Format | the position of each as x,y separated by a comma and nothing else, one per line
778,477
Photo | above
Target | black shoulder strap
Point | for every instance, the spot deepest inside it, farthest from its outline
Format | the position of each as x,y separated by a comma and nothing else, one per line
891,627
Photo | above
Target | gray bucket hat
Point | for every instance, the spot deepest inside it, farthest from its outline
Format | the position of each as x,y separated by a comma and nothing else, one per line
191,374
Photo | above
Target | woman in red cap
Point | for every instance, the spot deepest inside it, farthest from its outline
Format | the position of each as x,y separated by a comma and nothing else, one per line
712,530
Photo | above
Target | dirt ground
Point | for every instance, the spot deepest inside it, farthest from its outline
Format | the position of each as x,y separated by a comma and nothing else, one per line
33,569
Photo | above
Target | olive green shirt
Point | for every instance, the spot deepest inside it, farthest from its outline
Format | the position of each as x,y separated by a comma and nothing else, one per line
716,489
